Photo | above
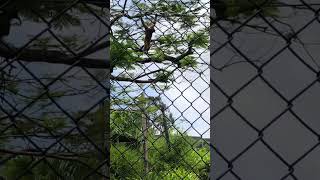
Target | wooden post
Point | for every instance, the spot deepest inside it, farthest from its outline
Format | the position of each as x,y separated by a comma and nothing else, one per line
145,145
165,127
104,123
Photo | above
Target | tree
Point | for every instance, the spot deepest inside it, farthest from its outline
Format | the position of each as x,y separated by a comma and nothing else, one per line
235,9
170,49
170,156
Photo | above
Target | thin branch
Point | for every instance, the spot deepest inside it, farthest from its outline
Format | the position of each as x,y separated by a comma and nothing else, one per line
229,65
100,3
172,59
256,27
146,74
127,79
62,156
57,57
53,56
96,48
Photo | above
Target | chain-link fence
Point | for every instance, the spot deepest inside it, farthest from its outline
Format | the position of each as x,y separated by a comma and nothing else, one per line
265,89
160,111
61,118
54,89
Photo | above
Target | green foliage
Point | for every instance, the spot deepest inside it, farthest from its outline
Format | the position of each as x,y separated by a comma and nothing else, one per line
237,8
47,10
66,20
167,39
179,160
182,161
125,122
16,166
12,87
182,158
158,55
123,54
163,76
54,124
199,39
177,173
126,163
188,61
42,171
184,15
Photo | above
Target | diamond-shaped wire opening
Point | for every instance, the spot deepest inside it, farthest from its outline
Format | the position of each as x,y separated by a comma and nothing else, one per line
292,51
45,138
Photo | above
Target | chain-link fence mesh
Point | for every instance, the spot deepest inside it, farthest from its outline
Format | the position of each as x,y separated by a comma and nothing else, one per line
160,111
54,89
265,89
62,119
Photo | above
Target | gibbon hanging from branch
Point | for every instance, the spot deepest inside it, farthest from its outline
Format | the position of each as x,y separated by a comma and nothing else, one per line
148,31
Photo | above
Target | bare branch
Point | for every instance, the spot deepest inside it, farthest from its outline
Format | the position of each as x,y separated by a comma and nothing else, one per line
146,74
96,48
172,59
128,79
100,3
55,57
62,156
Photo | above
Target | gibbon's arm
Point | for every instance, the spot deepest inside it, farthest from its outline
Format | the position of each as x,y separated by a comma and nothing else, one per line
149,30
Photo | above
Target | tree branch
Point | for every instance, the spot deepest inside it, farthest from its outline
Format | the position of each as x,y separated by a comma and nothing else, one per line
55,57
96,48
255,27
100,3
172,59
127,79
62,156
146,74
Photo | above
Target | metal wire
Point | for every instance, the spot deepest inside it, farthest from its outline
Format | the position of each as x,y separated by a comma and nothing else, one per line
237,47
84,97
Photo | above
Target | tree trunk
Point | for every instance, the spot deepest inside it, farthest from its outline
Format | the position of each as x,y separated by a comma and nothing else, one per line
145,146
105,138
